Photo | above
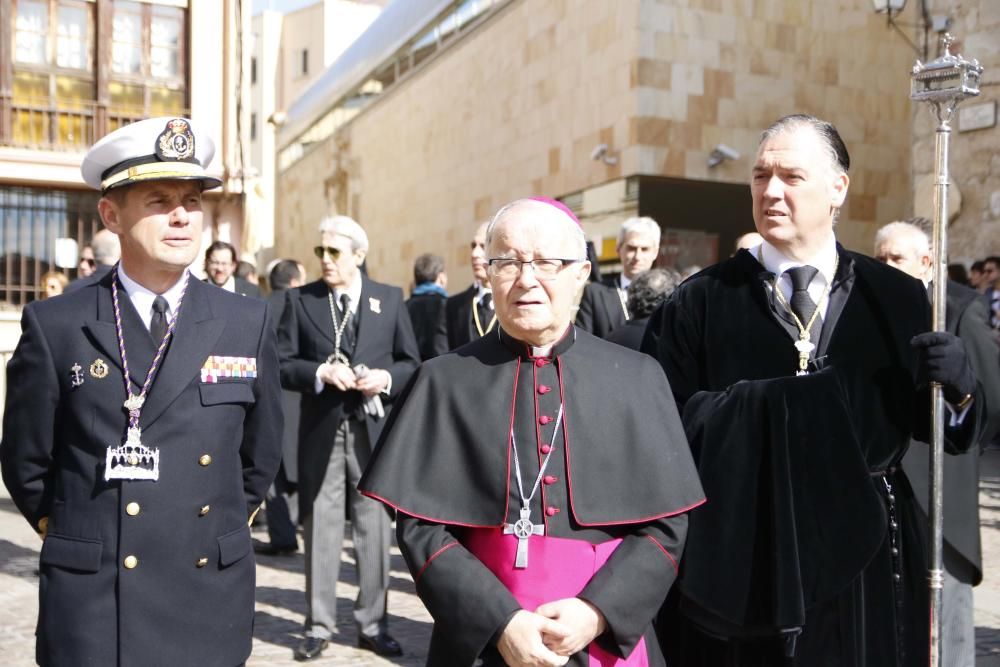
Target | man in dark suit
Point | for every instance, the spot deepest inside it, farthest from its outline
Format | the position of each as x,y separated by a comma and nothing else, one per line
604,307
802,371
470,315
280,504
346,343
426,306
906,246
141,428
220,266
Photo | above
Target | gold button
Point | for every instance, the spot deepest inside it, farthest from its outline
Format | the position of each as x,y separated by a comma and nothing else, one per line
204,510
131,562
204,459
201,562
132,509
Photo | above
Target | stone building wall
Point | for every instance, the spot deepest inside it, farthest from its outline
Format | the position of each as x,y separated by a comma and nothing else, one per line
975,154
517,106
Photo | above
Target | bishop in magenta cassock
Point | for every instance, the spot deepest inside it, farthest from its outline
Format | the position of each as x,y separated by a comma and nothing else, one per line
541,475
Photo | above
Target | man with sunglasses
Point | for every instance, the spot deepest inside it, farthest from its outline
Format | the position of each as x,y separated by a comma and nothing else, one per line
543,520
104,251
346,343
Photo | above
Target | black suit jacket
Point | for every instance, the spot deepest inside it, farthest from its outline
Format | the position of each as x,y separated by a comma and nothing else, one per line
600,310
190,599
629,334
966,316
427,313
458,318
100,271
241,287
305,339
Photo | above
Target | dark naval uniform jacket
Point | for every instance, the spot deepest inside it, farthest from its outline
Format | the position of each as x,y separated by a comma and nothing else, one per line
142,572
305,340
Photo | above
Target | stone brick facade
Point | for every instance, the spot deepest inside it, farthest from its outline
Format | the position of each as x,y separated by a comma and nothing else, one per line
518,104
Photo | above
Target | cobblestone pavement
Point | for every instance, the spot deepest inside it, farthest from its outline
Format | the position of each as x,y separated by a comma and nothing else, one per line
281,603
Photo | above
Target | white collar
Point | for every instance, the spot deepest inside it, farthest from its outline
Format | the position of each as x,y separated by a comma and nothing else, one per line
229,285
624,282
354,292
778,263
482,290
142,297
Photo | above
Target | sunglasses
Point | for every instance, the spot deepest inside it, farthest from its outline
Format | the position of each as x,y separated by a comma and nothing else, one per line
324,251
88,261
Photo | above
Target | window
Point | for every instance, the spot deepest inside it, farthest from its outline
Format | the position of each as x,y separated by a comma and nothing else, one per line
253,126
53,73
303,63
253,70
147,62
31,220
53,58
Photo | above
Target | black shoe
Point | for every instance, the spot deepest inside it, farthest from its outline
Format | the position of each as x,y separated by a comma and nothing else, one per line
270,549
380,644
310,648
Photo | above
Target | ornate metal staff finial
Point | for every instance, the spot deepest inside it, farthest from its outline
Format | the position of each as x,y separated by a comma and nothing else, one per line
943,83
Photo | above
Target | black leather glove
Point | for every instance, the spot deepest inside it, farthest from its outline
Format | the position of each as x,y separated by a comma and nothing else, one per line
942,358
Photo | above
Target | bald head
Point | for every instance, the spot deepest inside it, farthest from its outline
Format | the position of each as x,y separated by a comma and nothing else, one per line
545,216
906,246
107,249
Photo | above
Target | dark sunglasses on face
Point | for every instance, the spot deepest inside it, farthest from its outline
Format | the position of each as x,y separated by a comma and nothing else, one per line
88,261
323,251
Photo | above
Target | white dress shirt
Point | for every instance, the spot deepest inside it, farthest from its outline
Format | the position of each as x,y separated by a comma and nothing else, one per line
825,261
142,298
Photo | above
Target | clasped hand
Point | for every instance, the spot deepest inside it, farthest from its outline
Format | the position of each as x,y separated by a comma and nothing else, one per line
550,635
343,378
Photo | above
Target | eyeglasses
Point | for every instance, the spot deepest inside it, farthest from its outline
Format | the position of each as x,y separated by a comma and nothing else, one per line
322,251
544,269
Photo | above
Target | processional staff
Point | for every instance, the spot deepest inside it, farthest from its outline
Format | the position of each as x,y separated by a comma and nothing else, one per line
943,83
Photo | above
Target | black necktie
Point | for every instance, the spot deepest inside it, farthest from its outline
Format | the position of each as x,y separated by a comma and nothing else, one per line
802,304
158,322
345,314
485,312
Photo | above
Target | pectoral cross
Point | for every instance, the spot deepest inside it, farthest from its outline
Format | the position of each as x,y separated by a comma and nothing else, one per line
522,530
804,347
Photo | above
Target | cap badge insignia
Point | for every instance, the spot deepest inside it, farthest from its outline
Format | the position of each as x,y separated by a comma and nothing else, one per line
176,142
374,304
99,369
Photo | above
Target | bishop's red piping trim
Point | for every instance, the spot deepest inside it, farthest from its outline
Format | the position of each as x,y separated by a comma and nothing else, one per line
437,553
445,522
661,548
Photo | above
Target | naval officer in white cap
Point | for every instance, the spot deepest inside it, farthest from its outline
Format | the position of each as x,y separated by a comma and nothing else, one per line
143,426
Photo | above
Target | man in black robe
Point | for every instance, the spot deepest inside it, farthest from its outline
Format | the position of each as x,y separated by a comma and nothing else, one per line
906,246
801,372
545,525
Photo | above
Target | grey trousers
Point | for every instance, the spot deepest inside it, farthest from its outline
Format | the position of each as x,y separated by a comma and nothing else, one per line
324,536
958,629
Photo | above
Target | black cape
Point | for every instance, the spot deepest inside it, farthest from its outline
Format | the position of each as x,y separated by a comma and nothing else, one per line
445,453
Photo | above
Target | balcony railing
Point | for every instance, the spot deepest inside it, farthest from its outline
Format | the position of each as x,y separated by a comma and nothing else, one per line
55,125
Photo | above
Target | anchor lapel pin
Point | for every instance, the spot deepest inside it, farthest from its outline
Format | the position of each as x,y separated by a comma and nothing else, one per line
76,375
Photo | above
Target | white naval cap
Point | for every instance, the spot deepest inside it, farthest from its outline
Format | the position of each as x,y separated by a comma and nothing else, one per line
154,149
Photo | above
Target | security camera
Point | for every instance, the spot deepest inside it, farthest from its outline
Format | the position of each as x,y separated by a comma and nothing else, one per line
727,152
721,153
600,150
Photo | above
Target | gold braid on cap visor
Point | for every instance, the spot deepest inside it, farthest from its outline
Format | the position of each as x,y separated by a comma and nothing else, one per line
154,170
